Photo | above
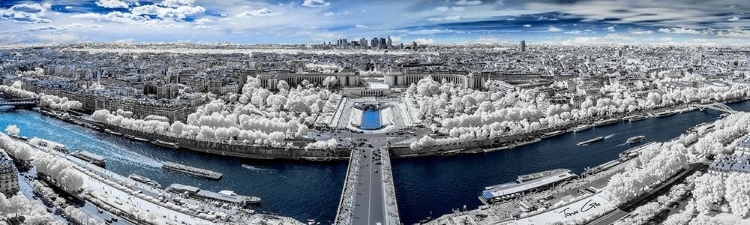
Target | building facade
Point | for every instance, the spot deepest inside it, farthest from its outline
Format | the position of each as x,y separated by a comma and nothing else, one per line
8,176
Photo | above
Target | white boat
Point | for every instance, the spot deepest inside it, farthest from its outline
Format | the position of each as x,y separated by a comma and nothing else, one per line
634,118
112,132
636,139
165,144
581,128
552,134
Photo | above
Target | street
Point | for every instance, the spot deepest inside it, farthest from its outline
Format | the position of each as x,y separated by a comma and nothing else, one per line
369,201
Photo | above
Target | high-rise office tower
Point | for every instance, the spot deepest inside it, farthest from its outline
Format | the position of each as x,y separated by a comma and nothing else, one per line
390,42
523,46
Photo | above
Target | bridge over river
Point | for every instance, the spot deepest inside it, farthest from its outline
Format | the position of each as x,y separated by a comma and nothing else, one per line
369,196
19,102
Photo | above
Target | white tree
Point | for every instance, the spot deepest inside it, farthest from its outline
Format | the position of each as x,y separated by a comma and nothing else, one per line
738,193
12,130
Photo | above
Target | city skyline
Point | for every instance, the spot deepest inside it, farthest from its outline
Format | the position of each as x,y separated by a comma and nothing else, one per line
426,22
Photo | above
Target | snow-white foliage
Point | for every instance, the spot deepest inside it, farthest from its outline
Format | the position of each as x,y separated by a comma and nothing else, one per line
16,91
34,212
15,149
57,103
329,144
322,68
709,189
12,130
259,117
738,193
60,170
504,111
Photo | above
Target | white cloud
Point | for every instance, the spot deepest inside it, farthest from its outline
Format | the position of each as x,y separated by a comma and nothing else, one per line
465,2
68,7
489,40
57,38
580,40
554,29
434,19
442,9
611,28
125,41
180,12
360,26
430,32
316,3
329,14
527,25
177,3
666,39
257,13
733,19
458,9
28,13
111,4
396,39
638,31
679,30
424,41
573,32
453,18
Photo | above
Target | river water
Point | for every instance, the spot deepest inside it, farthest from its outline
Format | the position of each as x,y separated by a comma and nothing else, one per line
424,186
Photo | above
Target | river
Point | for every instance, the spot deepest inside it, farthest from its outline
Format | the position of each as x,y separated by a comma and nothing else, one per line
424,186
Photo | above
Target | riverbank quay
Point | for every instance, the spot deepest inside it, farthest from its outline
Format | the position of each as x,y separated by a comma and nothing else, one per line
145,204
528,211
557,197
397,150
403,150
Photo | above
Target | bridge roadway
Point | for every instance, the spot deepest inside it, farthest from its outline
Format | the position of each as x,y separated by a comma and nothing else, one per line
18,102
374,201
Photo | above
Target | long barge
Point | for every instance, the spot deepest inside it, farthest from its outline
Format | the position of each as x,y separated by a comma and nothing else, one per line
165,144
90,157
144,180
170,166
524,184
582,128
666,114
606,122
224,196
589,141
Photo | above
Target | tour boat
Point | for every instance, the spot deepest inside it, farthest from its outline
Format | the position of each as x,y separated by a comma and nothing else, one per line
636,139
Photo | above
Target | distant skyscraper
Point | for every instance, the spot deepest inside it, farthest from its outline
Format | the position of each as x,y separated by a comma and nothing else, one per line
523,46
382,43
374,43
414,44
390,42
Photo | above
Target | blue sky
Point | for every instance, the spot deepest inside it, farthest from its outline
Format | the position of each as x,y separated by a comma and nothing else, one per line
314,21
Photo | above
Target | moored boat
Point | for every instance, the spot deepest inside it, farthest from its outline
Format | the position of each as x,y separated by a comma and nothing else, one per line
552,134
112,132
581,128
135,138
665,114
144,180
606,122
165,144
